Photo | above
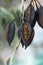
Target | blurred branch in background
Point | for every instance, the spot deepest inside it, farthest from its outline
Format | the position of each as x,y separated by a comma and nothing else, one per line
7,14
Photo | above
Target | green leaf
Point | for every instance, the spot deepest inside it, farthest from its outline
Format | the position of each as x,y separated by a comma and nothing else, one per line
3,23
16,14
7,1
8,62
6,17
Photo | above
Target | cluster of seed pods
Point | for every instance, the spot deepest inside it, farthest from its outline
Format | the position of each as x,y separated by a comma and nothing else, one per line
26,30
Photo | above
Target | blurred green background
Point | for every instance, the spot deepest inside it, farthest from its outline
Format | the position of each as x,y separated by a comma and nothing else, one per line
33,55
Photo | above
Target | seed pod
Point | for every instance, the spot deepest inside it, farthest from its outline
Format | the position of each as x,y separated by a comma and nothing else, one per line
10,32
30,39
24,32
39,14
30,15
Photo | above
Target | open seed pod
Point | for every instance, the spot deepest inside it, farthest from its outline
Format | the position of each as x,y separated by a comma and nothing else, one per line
30,14
26,34
30,39
39,13
10,32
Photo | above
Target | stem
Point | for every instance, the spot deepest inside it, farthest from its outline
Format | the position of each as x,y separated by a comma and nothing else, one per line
22,9
16,18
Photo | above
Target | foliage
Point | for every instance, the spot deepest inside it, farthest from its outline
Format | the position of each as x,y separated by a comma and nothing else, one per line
7,1
16,14
7,16
8,62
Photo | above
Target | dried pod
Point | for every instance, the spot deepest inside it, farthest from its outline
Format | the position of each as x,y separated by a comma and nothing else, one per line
26,33
30,15
30,39
39,14
10,32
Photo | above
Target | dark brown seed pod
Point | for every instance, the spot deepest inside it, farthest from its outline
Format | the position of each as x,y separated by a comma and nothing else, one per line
30,15
24,32
26,35
39,14
10,32
30,39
